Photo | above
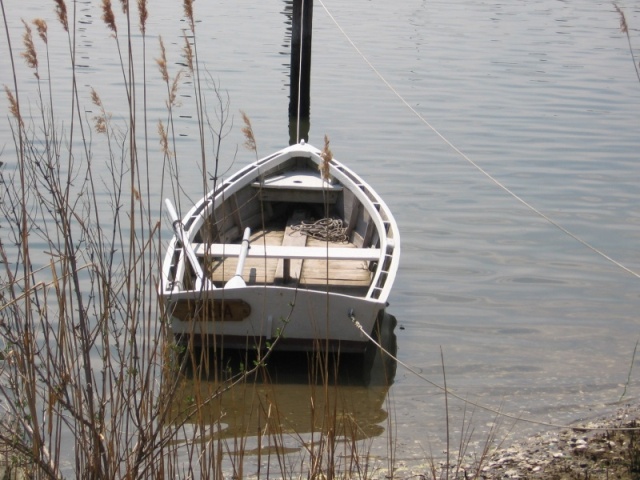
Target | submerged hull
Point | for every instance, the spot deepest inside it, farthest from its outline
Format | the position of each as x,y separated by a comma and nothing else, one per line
292,280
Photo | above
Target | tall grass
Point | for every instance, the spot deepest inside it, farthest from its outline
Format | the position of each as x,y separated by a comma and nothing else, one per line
92,384
86,362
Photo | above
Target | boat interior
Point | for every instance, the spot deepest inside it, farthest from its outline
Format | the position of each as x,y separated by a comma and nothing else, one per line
311,234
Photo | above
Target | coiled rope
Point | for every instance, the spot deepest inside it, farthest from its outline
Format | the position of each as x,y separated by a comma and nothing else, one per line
470,161
325,229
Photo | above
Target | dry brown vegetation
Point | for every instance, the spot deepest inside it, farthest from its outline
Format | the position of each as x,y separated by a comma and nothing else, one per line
91,383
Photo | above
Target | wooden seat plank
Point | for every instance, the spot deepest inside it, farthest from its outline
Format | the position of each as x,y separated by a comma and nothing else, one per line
290,252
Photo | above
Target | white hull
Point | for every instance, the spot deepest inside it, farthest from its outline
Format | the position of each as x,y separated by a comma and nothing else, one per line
297,318
300,294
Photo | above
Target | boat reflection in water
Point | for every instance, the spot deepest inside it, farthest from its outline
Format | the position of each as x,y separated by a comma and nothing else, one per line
294,395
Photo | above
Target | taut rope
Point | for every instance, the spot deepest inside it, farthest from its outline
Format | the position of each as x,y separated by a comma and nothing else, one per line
474,164
500,413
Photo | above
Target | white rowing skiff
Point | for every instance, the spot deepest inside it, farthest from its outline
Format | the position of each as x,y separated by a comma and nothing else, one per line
282,251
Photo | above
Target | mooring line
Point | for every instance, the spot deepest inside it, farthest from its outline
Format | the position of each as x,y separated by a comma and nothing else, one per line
469,160
486,408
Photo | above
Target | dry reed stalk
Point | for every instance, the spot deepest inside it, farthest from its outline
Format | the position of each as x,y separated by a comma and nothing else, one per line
164,139
108,16
143,15
188,12
14,108
41,26
446,412
173,92
326,156
624,28
61,12
95,367
164,72
100,120
188,53
249,137
30,56
623,20
162,62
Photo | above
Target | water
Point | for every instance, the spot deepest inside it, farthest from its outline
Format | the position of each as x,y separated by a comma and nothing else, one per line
541,94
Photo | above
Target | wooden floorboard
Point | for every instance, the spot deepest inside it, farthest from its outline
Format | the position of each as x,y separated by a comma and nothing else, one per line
354,273
260,271
256,271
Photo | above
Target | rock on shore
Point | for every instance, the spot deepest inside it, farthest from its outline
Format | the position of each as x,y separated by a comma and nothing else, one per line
606,448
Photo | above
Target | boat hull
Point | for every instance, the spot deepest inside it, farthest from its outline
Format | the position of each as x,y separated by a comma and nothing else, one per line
260,317
286,288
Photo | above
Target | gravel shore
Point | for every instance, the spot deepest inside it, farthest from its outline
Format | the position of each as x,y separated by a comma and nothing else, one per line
605,448
594,450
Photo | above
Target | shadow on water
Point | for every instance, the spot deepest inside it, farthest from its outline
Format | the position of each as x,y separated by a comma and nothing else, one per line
301,392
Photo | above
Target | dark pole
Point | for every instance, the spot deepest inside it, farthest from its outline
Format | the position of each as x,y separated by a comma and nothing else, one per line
300,82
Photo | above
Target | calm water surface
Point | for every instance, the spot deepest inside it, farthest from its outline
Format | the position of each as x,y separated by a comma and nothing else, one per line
541,94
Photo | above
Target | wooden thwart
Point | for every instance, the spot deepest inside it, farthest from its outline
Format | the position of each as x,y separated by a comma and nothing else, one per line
290,252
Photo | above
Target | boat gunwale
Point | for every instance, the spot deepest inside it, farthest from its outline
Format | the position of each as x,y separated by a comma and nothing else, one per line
365,194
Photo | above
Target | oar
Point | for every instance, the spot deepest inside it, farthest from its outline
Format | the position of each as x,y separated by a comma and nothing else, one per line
178,228
237,281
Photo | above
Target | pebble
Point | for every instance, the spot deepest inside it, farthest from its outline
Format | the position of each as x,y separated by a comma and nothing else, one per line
537,457
592,450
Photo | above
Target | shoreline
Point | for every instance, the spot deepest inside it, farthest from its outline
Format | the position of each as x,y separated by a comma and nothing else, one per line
595,449
601,448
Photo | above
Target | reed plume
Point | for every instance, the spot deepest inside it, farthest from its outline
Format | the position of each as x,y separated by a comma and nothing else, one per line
249,137
100,124
164,72
41,26
188,12
162,62
100,120
14,108
326,156
61,12
95,98
143,15
164,139
188,53
29,54
108,17
173,93
624,28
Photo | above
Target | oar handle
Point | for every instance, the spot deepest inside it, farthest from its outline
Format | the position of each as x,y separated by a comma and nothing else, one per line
178,229
237,281
244,250
172,211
